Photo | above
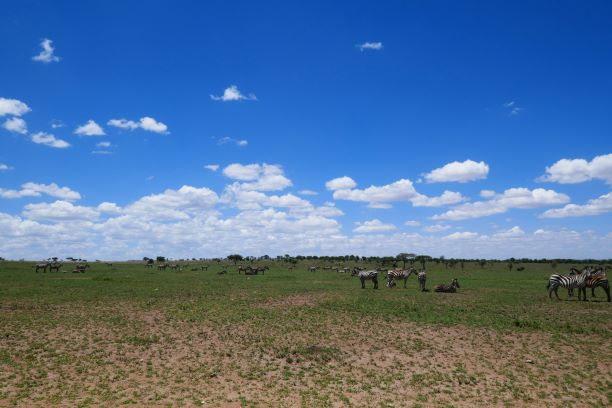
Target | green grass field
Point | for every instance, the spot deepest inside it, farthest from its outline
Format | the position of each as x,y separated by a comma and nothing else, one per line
130,335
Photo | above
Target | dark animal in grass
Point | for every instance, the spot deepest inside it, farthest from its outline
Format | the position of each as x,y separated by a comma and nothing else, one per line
452,288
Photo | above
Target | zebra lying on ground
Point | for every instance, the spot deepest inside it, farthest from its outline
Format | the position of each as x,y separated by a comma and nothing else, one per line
42,266
397,274
366,275
448,289
422,279
598,278
569,282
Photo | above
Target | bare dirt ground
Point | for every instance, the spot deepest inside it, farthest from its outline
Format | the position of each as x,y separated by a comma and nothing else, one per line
121,355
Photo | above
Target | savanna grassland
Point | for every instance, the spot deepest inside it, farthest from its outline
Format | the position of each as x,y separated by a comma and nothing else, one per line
126,335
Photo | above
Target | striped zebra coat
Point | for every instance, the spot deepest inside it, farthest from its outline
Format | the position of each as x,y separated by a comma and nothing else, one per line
598,278
569,282
397,274
366,275
422,276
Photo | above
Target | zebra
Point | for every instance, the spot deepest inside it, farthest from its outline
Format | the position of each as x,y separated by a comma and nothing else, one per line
312,269
448,289
162,267
42,266
397,274
366,275
422,276
204,267
569,282
56,266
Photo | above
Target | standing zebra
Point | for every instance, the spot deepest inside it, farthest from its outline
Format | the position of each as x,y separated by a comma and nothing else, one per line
569,282
422,279
366,275
42,266
397,274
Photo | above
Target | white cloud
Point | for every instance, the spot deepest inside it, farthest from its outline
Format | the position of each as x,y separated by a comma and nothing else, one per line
447,198
571,171
340,183
515,231
262,177
102,152
232,93
596,206
308,193
487,193
500,203
512,107
374,225
49,140
13,107
145,123
212,167
225,140
412,223
16,125
370,46
36,189
401,190
90,128
4,167
461,235
103,144
46,54
59,210
461,172
110,208
437,228
56,124
179,204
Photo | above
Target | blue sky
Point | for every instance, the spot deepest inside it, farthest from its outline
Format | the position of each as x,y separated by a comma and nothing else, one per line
383,94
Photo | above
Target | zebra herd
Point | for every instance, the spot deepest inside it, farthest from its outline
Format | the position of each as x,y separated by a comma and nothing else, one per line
588,277
395,275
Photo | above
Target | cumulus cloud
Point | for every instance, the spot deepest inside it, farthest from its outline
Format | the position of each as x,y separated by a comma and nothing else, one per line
46,54
401,190
237,142
16,125
36,189
103,144
4,167
487,193
412,223
145,123
515,231
308,193
596,206
262,177
571,171
374,225
436,228
58,211
212,167
48,139
500,203
376,46
232,93
461,235
513,108
461,172
13,107
340,183
90,128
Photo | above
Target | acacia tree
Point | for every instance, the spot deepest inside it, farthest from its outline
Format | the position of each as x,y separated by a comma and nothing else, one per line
235,258
423,260
405,257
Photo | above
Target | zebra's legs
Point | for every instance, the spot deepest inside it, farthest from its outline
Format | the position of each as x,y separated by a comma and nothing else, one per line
405,280
362,283
557,294
375,283
607,289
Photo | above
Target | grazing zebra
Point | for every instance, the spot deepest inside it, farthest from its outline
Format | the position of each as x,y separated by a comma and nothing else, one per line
397,274
243,269
366,275
346,270
312,269
109,264
176,267
448,289
422,276
42,266
80,268
162,267
204,267
56,266
569,282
